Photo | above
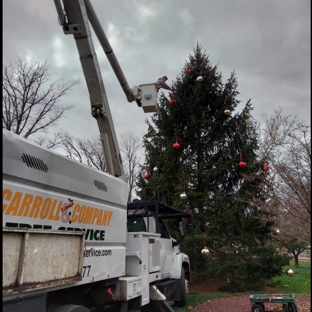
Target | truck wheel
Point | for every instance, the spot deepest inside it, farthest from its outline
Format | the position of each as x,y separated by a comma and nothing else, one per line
67,308
257,308
183,294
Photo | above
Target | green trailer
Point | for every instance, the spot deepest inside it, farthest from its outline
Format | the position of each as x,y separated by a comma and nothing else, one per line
287,300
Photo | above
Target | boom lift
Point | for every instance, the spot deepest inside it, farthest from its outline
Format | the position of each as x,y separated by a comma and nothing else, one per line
70,240
75,21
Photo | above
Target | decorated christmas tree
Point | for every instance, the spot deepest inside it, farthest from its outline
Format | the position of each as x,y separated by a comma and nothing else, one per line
199,151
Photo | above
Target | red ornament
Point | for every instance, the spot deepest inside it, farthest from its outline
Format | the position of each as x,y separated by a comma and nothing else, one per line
242,164
190,71
176,146
265,167
172,101
147,176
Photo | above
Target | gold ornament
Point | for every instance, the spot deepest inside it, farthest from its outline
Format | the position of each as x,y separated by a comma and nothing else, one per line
206,252
290,273
200,78
228,281
246,115
183,195
227,112
146,134
276,231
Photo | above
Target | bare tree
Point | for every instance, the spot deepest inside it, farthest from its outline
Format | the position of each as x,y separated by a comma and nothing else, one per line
285,144
285,178
293,235
30,104
87,151
90,152
49,142
130,145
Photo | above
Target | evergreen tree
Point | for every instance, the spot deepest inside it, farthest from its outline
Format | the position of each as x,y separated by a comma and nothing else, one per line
205,167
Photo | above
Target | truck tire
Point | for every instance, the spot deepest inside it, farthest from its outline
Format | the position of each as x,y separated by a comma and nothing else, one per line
67,308
183,293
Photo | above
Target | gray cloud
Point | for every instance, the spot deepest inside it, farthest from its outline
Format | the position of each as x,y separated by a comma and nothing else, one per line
267,43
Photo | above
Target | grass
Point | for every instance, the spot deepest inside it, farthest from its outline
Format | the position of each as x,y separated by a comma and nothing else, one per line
300,283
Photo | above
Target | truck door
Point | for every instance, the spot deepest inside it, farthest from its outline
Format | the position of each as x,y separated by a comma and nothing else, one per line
166,251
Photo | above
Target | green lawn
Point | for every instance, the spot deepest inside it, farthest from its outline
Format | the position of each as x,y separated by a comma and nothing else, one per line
300,283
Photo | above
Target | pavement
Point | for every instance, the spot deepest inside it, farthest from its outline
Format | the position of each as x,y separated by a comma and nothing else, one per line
304,258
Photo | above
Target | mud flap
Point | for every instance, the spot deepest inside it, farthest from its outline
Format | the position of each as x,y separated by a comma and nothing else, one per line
132,305
159,300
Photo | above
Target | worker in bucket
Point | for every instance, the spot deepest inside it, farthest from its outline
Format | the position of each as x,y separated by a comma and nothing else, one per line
161,84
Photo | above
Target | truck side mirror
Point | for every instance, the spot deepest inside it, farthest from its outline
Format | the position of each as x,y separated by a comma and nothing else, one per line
182,228
182,232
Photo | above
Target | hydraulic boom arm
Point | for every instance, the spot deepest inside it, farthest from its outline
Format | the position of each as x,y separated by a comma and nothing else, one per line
74,17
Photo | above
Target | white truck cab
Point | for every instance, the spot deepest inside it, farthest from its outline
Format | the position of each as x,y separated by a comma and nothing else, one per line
149,216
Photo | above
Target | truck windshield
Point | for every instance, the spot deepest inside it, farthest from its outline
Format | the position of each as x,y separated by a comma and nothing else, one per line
136,225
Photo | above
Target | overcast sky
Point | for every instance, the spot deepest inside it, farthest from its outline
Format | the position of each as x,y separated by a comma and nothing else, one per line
266,42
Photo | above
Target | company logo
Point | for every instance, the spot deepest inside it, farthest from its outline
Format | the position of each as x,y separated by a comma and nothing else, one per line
27,205
65,216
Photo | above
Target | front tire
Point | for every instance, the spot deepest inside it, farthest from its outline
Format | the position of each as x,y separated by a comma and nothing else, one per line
183,291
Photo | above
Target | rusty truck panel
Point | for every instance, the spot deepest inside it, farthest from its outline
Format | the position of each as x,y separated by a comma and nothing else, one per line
35,259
